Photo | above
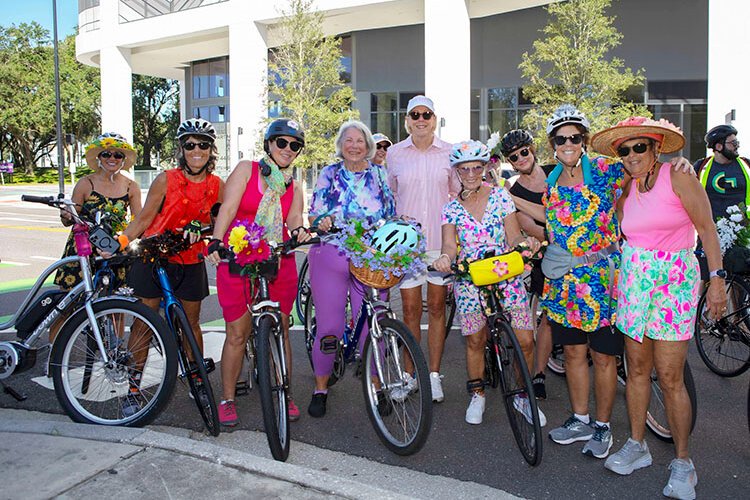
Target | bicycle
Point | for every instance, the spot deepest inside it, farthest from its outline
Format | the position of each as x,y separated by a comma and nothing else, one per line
91,358
193,367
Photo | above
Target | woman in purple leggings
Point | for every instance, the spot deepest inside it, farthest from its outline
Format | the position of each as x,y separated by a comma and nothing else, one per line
354,188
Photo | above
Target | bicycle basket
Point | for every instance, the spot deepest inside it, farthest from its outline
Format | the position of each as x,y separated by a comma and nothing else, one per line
375,279
496,269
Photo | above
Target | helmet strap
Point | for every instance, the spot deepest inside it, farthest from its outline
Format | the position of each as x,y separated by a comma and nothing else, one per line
465,193
729,155
195,174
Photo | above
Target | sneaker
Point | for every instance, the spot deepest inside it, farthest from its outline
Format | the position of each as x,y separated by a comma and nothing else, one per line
571,431
682,480
539,389
228,413
476,409
384,406
317,406
399,394
600,443
293,411
437,387
521,404
631,456
131,405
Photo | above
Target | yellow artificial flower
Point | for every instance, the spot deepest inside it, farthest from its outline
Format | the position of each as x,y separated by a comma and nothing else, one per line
237,241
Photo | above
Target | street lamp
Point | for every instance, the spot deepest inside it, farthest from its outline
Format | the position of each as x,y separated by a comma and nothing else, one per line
58,111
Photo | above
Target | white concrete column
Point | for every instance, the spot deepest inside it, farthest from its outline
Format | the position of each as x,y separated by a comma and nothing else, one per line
248,69
447,66
729,64
117,91
183,98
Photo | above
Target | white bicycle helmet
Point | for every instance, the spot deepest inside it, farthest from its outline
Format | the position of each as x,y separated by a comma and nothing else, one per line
196,126
469,151
567,114
394,233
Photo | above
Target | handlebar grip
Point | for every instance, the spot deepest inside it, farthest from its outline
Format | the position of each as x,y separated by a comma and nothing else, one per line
47,200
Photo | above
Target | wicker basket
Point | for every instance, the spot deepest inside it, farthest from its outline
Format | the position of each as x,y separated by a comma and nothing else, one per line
375,279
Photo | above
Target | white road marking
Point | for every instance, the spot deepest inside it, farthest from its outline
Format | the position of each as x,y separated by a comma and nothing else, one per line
42,257
24,219
12,263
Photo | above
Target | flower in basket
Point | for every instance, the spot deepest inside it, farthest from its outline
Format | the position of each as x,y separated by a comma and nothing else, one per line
734,229
117,215
248,245
528,255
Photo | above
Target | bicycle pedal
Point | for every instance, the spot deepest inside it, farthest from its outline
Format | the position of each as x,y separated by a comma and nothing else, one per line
242,388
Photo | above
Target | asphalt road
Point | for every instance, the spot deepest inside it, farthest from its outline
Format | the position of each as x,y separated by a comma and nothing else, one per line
484,454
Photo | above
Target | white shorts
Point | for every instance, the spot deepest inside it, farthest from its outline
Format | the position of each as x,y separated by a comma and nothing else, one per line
434,277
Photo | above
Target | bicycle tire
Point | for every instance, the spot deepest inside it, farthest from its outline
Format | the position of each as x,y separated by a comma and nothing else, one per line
724,345
450,304
748,407
515,382
70,353
303,289
402,425
273,387
339,364
196,373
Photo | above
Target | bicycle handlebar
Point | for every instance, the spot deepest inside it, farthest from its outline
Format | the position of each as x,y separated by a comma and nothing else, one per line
46,200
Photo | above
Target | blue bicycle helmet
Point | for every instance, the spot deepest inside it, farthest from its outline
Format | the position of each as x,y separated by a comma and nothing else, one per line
469,151
394,233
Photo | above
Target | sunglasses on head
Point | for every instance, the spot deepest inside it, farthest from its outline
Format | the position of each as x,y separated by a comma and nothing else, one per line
414,115
281,143
574,139
639,148
107,155
477,169
383,146
189,146
514,157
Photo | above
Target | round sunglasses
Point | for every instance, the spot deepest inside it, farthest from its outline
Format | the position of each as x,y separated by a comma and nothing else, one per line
476,170
106,155
639,148
514,157
414,115
282,143
189,146
574,139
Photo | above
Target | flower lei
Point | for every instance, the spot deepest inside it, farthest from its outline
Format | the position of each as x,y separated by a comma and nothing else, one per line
250,248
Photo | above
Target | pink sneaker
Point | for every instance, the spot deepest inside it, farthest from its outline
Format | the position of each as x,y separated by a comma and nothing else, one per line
228,414
293,411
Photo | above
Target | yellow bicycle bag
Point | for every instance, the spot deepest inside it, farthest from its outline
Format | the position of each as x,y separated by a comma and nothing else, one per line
496,269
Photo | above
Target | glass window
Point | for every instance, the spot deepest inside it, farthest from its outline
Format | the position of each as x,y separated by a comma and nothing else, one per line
385,123
405,97
201,112
475,125
218,78
685,89
200,80
346,59
476,98
383,101
501,120
502,97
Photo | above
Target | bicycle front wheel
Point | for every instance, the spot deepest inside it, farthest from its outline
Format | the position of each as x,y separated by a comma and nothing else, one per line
196,371
399,407
133,387
273,387
724,345
518,392
303,289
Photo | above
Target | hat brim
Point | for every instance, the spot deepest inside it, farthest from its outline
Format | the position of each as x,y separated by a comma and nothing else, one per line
604,141
93,153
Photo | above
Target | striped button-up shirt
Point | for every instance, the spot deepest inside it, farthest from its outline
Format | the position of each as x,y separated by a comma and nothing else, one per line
422,183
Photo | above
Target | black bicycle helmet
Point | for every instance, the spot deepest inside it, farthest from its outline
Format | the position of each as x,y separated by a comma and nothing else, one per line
196,126
719,134
515,139
285,126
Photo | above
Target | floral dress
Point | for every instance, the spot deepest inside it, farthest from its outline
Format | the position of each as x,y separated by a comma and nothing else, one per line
475,239
583,220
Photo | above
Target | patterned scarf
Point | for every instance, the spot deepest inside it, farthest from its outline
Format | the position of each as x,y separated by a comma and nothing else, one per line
269,211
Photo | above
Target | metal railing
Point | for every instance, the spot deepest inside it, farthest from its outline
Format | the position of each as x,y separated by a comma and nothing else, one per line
135,10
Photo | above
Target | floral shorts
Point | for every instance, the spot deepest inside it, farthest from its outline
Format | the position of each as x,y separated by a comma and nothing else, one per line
658,294
471,309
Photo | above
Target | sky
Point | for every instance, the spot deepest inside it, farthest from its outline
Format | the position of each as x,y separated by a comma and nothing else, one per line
26,11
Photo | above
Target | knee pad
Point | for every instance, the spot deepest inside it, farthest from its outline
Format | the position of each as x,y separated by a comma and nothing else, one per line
474,385
329,344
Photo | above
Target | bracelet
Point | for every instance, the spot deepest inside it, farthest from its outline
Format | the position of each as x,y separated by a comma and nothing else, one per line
444,255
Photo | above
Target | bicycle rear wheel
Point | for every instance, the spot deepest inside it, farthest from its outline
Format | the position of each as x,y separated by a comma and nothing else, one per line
303,289
724,345
273,387
518,392
400,410
142,356
196,371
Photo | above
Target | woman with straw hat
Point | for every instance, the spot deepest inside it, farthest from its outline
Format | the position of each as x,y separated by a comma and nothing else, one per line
660,212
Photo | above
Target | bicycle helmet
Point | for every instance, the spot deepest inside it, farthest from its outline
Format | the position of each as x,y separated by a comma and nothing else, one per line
196,126
719,134
515,139
395,233
284,126
469,151
567,114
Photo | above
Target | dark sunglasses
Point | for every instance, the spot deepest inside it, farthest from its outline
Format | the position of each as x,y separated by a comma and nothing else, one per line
281,143
574,139
427,115
477,169
639,148
107,155
514,157
384,147
189,146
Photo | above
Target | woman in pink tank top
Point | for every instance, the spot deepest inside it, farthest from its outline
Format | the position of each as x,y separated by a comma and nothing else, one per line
657,298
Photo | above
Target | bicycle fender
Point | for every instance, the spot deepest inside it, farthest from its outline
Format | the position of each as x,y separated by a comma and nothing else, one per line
263,304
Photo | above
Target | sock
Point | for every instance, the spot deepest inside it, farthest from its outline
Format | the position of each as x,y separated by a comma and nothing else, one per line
226,401
601,424
324,391
583,418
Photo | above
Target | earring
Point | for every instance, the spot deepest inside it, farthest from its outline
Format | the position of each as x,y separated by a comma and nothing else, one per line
99,162
555,156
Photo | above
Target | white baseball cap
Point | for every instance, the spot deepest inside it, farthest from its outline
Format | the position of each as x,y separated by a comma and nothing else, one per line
381,138
420,100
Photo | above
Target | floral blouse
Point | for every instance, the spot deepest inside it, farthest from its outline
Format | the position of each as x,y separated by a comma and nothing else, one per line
583,219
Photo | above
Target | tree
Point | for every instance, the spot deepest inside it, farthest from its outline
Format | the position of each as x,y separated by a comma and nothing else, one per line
156,116
570,65
305,76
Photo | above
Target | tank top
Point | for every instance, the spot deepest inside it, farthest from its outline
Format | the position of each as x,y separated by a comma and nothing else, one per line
184,202
656,220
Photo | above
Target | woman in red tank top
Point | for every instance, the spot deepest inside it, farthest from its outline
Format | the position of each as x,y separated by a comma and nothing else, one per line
265,193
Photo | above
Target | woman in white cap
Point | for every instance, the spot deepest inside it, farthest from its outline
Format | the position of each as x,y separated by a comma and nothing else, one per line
382,143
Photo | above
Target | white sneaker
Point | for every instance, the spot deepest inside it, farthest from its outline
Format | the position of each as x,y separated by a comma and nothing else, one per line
399,394
521,403
476,409
437,388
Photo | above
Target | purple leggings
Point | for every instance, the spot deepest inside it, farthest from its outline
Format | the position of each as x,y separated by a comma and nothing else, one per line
331,284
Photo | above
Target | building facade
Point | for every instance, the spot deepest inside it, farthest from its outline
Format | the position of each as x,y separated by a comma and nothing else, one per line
462,53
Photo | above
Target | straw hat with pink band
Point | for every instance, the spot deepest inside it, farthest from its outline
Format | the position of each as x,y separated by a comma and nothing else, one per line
668,136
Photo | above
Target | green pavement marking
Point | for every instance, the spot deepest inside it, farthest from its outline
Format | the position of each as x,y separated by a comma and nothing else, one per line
216,322
3,265
3,319
23,284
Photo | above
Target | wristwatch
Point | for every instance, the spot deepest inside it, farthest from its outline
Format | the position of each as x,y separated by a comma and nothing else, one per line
721,273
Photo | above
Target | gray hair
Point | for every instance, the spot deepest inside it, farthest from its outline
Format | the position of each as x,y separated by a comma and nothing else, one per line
362,128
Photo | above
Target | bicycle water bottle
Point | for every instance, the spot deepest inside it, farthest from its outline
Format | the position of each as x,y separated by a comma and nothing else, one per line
81,235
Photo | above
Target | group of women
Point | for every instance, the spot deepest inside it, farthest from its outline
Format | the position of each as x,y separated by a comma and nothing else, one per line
619,272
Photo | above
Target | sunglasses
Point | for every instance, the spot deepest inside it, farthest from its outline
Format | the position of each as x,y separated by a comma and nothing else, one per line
514,157
384,147
639,148
106,155
189,146
734,143
281,143
476,170
574,139
427,115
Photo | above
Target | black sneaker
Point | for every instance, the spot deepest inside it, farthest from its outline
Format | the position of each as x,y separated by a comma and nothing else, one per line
538,382
317,406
